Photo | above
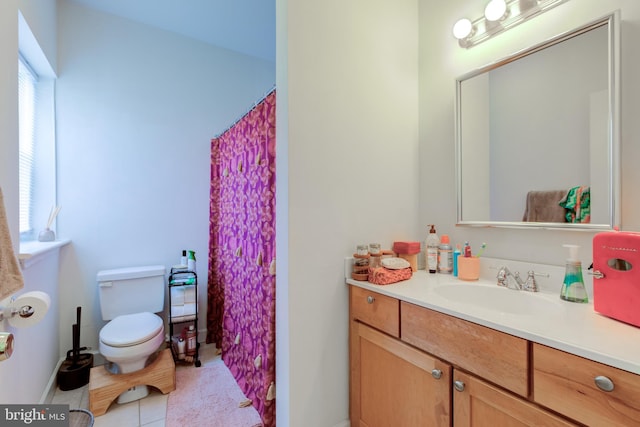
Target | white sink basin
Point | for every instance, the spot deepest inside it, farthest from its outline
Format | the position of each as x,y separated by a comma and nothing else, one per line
499,299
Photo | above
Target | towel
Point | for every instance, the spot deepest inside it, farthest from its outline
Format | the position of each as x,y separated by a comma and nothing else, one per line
544,206
577,204
10,275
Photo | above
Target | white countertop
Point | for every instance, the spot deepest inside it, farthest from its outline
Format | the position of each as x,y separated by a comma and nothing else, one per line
571,327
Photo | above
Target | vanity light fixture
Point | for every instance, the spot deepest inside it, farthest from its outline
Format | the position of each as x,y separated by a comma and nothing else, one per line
499,15
495,10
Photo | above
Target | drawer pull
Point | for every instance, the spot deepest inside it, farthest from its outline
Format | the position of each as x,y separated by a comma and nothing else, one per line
604,383
370,299
458,385
436,373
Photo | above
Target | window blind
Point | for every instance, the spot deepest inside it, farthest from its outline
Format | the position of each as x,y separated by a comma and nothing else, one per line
27,99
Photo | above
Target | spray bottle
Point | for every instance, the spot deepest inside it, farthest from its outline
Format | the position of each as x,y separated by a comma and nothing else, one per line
573,289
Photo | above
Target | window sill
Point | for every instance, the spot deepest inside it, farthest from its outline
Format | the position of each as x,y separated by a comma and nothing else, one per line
33,251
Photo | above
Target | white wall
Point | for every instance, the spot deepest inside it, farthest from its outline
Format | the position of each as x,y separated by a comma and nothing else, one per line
347,174
35,348
441,61
136,110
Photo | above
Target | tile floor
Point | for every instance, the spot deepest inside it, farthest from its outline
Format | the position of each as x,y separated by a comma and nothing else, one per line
148,412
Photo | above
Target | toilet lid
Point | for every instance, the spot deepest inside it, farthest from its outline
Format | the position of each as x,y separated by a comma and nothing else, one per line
131,329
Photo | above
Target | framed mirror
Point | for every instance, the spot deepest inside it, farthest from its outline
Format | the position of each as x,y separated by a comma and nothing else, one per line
537,134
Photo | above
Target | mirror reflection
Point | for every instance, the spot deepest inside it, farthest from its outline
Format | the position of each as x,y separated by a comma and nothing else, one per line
534,135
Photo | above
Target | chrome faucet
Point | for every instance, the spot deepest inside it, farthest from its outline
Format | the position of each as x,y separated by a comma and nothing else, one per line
508,279
513,280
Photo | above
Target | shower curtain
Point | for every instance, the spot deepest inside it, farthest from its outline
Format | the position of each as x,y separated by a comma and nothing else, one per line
241,294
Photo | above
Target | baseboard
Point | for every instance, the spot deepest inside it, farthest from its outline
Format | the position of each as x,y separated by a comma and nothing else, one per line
345,423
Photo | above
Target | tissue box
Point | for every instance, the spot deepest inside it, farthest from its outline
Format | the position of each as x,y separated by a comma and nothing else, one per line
616,254
408,251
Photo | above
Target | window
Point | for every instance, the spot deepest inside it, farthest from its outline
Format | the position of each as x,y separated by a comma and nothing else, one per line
27,80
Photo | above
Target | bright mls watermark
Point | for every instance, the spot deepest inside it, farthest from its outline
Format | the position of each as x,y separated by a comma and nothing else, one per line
34,415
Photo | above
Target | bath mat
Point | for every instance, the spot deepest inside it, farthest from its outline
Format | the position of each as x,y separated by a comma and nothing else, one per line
209,396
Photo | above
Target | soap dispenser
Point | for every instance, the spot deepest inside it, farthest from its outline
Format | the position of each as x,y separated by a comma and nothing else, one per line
573,289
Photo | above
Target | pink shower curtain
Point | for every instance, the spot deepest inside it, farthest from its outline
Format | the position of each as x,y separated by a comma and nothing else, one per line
241,294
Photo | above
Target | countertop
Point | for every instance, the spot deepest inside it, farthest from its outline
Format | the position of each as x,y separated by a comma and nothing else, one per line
571,327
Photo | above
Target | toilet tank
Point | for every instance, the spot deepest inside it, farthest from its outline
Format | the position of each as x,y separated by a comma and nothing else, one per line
131,290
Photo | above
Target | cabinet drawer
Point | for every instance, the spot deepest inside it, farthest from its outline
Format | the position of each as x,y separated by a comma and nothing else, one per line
566,383
377,310
493,355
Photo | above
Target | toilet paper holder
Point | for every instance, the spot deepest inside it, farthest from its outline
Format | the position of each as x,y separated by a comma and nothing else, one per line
11,310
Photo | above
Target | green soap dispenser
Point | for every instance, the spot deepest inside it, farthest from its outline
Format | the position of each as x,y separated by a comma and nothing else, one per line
573,289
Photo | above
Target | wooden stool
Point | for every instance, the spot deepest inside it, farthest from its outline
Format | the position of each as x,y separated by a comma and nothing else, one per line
105,387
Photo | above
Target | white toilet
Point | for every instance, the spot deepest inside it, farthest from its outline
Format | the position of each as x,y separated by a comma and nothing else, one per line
129,297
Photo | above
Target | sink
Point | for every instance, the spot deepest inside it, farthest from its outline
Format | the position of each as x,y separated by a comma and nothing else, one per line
499,299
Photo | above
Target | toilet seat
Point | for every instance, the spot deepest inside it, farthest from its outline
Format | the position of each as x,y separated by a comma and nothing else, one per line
131,330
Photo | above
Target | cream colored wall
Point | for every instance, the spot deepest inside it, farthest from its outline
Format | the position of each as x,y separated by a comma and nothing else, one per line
347,143
441,60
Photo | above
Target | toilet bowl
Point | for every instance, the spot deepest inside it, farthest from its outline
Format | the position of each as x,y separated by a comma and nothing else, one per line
128,340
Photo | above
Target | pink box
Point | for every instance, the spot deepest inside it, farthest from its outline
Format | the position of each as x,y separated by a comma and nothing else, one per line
616,254
408,248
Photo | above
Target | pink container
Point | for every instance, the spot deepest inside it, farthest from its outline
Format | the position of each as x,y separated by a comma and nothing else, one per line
616,254
408,251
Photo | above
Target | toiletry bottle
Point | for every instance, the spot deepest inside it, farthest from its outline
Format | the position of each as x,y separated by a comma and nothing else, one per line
191,261
573,289
431,250
181,348
191,341
467,250
445,255
456,254
183,259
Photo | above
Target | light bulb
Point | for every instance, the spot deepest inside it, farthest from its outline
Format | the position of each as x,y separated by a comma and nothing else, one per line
495,10
462,28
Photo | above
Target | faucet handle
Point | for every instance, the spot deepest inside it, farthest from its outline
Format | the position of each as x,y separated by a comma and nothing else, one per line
530,284
502,276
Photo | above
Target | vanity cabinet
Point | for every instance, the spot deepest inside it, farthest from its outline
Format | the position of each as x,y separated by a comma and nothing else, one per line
392,383
584,390
411,366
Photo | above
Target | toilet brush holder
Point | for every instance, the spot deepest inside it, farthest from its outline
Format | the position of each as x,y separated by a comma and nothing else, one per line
74,374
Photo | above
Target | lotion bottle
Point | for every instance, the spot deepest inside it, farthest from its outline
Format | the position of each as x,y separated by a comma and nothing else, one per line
573,289
431,250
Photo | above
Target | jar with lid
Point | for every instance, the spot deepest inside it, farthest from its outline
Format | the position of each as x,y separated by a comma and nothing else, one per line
376,254
361,263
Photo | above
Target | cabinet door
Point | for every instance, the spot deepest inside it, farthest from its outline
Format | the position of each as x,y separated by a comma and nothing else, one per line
395,385
479,404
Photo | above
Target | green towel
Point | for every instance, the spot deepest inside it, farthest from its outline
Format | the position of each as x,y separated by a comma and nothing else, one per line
578,205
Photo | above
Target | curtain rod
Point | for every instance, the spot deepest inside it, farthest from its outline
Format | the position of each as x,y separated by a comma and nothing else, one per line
255,104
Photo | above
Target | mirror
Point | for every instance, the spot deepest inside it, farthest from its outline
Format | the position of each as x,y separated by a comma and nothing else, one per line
537,135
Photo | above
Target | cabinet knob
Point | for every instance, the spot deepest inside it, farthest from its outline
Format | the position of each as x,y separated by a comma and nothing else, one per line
370,299
436,373
458,385
604,383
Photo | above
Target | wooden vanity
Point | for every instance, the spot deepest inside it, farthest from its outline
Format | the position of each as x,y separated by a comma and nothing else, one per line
415,366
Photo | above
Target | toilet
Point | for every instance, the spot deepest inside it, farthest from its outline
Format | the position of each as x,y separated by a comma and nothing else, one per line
131,339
